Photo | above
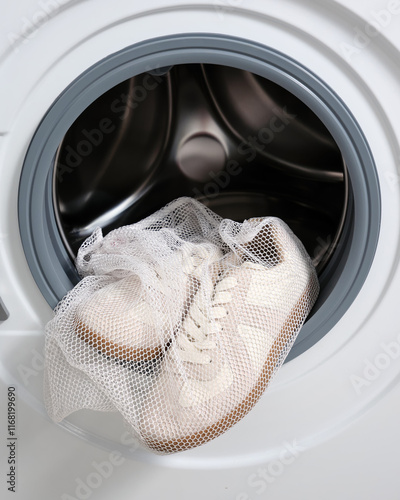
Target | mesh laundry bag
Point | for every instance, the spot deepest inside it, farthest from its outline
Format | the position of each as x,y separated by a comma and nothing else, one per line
179,323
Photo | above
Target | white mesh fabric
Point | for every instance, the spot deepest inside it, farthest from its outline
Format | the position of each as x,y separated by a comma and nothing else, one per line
179,323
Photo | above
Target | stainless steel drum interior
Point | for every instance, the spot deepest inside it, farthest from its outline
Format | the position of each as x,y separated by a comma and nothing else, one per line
238,142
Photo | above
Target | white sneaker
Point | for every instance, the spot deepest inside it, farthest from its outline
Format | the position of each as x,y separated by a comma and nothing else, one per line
238,330
134,318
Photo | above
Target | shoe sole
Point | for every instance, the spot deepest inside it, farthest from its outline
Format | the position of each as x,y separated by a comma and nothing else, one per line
114,350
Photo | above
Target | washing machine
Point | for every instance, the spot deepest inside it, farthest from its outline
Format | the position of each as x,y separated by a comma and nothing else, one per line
290,108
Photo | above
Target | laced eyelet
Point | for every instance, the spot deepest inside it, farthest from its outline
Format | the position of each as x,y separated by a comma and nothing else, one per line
198,324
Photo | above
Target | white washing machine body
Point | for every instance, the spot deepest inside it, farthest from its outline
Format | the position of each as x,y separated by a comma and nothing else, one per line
328,425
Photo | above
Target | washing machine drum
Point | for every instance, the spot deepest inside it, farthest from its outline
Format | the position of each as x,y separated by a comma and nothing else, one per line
241,144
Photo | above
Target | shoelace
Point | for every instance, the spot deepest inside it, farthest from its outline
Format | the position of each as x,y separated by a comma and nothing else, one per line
193,340
193,257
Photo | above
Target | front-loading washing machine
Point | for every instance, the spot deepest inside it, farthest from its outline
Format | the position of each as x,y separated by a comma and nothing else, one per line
285,108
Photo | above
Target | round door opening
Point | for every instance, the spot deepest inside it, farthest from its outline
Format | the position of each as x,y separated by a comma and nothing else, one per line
239,126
